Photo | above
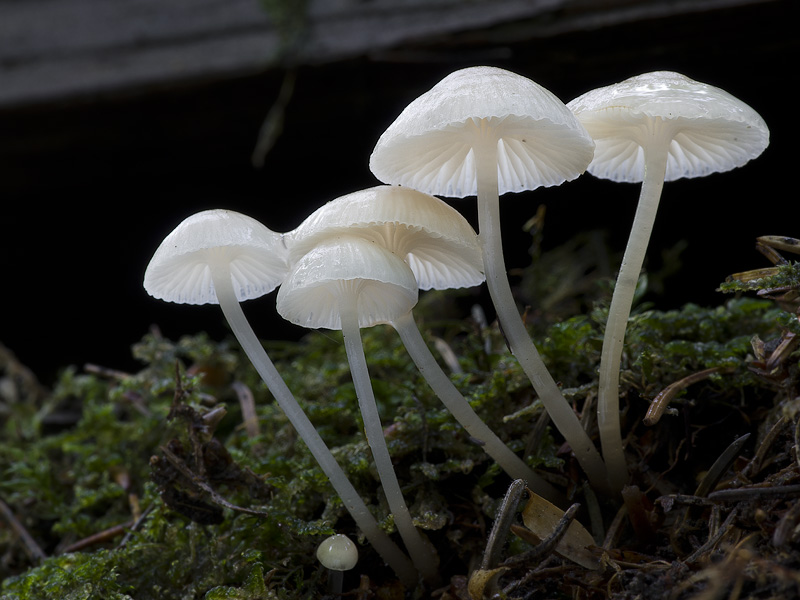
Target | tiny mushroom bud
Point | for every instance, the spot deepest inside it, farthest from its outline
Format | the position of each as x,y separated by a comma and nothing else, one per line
653,128
486,131
223,257
337,553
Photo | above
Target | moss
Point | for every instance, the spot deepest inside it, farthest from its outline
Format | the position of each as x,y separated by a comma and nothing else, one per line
774,278
79,461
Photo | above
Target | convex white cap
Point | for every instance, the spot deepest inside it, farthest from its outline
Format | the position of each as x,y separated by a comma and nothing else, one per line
180,270
436,241
337,553
347,269
429,145
710,130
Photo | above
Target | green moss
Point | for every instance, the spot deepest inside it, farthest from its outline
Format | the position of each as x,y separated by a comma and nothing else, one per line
775,278
91,470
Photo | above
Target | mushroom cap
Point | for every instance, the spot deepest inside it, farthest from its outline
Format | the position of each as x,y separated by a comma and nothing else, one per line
180,270
711,131
429,145
436,241
337,553
350,269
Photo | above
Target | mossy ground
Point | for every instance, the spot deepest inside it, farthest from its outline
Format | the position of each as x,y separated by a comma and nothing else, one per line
136,485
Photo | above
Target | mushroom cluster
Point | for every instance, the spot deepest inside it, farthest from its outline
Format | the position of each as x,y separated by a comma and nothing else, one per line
361,259
223,257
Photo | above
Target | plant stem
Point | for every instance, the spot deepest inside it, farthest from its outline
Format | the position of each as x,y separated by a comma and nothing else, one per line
620,309
422,555
354,504
561,413
458,406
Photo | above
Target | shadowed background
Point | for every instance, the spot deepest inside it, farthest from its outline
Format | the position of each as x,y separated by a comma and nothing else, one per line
105,148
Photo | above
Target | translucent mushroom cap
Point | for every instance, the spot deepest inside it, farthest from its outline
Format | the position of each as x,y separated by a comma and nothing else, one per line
180,270
347,269
337,553
429,145
436,241
708,130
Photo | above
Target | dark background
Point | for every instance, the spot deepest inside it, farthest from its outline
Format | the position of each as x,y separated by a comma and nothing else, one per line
89,188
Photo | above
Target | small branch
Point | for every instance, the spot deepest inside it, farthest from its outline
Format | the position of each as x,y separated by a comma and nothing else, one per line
752,468
31,547
135,526
106,372
179,465
753,493
546,546
713,540
272,125
98,538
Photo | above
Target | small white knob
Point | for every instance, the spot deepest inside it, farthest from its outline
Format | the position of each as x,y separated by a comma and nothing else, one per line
338,553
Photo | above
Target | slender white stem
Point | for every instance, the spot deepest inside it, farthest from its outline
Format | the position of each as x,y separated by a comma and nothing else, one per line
421,553
619,311
354,504
561,413
458,406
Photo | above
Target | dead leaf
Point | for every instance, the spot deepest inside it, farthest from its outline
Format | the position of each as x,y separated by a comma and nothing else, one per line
480,579
542,517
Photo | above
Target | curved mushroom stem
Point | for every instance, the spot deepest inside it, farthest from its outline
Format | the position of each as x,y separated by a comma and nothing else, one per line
458,406
421,553
354,504
619,311
561,413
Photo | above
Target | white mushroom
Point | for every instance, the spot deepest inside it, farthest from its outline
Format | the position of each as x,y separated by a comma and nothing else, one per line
337,553
224,257
653,128
434,239
215,256
486,131
442,249
345,283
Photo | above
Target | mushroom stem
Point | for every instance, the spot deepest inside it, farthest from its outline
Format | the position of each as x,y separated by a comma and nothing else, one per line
354,504
458,406
335,581
561,413
421,553
621,301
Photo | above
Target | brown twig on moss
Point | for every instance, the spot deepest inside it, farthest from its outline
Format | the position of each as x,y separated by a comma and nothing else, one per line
660,403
